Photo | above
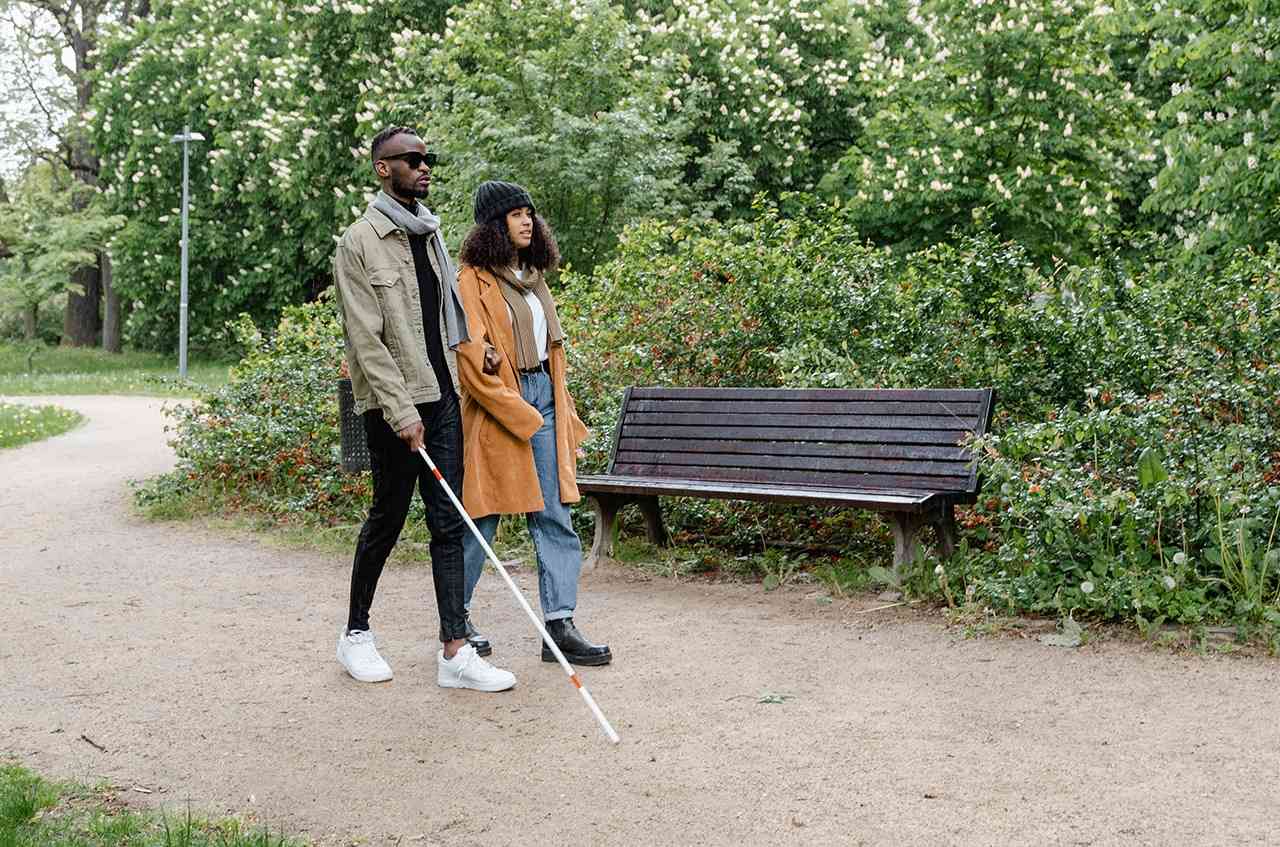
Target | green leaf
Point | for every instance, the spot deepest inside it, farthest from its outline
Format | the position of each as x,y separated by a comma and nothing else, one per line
882,576
1150,470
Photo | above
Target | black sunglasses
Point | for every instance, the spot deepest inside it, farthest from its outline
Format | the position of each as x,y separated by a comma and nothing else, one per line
415,159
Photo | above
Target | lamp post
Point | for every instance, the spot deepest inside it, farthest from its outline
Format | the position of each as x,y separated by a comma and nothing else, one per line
186,137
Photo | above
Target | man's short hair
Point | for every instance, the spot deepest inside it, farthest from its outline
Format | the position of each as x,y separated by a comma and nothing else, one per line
379,140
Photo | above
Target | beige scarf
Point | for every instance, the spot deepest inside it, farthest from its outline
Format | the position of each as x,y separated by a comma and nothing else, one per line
513,290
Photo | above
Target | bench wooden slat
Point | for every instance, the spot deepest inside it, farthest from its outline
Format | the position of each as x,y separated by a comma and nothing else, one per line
852,450
964,409
885,500
974,395
947,437
832,479
752,419
959,470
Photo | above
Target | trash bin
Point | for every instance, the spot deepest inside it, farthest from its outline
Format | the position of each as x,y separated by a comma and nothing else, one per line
355,447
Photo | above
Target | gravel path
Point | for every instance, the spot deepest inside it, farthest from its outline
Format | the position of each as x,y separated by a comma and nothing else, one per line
203,663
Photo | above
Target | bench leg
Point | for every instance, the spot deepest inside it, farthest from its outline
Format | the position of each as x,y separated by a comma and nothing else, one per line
652,511
606,512
945,527
906,528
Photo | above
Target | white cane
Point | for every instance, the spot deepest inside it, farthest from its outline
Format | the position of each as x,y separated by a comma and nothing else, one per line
524,604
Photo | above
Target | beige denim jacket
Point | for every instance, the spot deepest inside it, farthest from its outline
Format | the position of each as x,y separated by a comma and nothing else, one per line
382,320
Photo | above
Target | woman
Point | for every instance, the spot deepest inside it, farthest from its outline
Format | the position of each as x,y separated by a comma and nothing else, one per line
519,428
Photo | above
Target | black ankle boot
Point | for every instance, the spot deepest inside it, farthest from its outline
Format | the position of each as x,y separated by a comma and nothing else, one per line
478,641
578,650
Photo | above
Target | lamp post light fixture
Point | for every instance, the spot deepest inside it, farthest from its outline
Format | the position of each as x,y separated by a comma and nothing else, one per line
186,138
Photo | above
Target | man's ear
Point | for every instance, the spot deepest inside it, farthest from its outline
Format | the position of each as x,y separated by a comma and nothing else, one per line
381,169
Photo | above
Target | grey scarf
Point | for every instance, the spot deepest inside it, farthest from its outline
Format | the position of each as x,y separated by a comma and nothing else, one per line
422,222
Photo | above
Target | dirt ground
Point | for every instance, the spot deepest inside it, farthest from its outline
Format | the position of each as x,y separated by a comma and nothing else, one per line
202,665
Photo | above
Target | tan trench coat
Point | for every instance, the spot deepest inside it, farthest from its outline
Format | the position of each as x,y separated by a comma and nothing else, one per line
497,423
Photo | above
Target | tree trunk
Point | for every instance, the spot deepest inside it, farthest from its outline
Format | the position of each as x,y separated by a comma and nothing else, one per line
30,315
80,322
4,199
111,307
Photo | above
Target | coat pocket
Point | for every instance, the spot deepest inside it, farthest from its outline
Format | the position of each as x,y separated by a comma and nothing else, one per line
397,327
384,277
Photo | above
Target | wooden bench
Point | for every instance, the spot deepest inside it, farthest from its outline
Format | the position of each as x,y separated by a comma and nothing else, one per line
896,451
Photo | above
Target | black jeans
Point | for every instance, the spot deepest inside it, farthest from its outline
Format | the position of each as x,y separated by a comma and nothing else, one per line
396,471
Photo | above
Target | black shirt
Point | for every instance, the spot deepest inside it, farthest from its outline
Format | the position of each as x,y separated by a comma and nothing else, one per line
429,292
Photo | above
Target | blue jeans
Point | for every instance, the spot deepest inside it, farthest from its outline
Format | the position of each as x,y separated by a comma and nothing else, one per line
557,546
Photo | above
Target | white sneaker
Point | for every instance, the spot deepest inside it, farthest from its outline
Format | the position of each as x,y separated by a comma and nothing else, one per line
467,670
357,653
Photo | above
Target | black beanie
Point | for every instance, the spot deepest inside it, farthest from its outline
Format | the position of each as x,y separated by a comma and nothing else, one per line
494,199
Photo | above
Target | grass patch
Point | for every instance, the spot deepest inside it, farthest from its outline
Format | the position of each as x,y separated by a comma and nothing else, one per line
841,576
37,813
22,424
841,551
28,369
165,499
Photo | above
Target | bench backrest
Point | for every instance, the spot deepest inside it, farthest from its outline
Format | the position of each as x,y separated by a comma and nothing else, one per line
897,439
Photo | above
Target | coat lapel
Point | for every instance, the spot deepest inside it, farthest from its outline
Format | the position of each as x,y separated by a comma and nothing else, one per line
495,306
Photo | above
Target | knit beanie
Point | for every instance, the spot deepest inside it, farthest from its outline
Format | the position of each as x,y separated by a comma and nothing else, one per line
495,198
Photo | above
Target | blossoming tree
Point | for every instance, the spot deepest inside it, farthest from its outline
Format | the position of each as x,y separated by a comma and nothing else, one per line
1014,107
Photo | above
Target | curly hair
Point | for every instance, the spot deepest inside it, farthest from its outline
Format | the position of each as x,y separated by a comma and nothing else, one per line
488,245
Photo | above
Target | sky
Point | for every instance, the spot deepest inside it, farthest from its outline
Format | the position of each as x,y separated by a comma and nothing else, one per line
18,107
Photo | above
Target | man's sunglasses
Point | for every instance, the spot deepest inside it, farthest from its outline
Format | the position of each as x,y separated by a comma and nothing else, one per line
415,159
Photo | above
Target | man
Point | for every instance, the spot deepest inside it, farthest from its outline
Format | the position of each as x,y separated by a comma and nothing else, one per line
402,322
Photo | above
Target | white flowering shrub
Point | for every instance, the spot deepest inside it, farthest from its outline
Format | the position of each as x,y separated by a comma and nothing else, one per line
274,86
546,93
1012,106
763,91
1220,144
1063,124
210,65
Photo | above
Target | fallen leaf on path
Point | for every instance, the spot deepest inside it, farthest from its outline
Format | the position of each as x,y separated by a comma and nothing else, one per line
1072,635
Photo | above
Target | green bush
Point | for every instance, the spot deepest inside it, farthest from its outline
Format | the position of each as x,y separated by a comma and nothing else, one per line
1133,470
1094,368
268,439
793,298
1157,499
